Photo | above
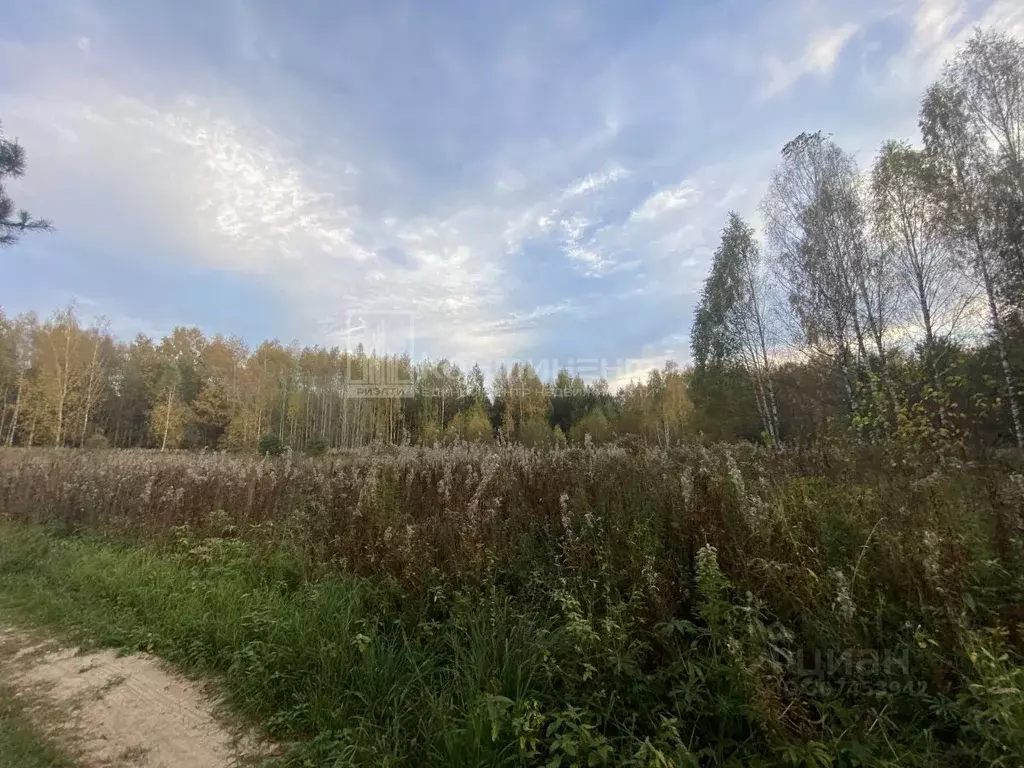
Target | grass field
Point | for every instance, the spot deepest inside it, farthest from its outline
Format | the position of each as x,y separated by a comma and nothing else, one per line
505,607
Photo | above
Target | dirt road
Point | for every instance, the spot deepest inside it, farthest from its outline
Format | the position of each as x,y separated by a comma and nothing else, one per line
119,710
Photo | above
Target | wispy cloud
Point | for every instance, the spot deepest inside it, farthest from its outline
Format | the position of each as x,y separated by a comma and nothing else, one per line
939,27
819,58
595,181
514,180
666,200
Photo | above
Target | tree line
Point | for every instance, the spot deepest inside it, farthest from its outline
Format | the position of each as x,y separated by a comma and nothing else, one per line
886,301
895,293
68,384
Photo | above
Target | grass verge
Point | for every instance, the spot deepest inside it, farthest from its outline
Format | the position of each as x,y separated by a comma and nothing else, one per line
347,672
24,741
22,744
314,662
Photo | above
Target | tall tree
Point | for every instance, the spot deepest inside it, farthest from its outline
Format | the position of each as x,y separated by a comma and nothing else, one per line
988,75
12,375
729,327
908,221
658,409
812,228
526,401
968,160
94,379
167,418
60,372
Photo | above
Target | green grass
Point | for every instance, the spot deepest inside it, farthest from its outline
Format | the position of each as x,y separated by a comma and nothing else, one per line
345,671
22,743
315,663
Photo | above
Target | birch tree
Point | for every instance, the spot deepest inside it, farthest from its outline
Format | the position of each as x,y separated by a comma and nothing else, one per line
60,372
988,76
95,376
908,221
167,418
729,326
966,166
813,239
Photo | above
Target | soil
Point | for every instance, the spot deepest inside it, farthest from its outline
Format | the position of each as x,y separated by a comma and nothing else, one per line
121,710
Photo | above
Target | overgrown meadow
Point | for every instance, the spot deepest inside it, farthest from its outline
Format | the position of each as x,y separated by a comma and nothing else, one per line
470,605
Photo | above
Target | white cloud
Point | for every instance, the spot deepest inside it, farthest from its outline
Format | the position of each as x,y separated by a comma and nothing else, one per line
595,181
653,357
209,184
934,21
935,30
572,216
1005,15
636,371
577,248
681,196
518,321
818,58
223,193
511,181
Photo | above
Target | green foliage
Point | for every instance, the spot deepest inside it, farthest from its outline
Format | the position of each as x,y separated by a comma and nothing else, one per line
721,320
558,439
992,708
535,433
14,222
430,433
471,425
22,742
695,606
317,445
595,425
270,445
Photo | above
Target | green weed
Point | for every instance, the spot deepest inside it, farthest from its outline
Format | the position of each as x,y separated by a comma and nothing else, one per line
499,606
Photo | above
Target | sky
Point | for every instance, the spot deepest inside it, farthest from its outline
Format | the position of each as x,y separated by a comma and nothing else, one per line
539,180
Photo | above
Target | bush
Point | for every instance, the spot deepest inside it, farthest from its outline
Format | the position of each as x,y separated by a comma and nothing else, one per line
95,441
558,437
430,433
317,445
270,445
475,426
595,424
535,433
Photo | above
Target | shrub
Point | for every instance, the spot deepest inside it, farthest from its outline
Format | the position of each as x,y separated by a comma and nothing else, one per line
270,445
317,445
595,424
97,440
535,433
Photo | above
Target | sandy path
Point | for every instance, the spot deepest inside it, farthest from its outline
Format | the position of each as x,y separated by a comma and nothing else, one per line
124,711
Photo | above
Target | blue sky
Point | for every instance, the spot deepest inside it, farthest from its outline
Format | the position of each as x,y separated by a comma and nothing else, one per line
488,180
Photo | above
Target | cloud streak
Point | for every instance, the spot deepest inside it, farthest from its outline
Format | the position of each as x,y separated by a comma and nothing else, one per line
518,181
818,58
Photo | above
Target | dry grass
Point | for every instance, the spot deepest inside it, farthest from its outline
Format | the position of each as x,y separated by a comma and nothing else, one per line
807,607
